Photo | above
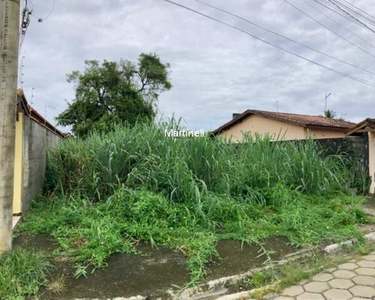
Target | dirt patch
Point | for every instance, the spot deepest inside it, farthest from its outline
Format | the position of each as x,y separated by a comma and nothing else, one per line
126,275
42,242
370,202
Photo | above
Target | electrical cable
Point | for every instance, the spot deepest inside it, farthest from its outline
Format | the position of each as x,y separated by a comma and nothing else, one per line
25,22
284,37
337,23
354,11
338,12
40,19
353,17
361,10
369,83
329,29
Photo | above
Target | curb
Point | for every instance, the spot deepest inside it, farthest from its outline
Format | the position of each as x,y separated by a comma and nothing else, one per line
219,285
370,237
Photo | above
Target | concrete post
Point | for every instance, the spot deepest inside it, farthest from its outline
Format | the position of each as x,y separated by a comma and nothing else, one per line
9,42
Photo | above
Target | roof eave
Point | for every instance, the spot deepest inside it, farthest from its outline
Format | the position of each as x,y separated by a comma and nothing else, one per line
232,122
249,112
361,126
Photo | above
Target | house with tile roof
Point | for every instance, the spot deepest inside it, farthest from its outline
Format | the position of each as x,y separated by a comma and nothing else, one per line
283,126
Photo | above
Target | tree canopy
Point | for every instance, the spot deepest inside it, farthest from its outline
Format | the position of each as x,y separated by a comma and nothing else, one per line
110,92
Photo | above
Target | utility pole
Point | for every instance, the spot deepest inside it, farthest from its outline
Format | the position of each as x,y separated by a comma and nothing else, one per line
326,104
9,43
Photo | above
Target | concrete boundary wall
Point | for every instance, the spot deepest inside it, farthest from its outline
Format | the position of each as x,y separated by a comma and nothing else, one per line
355,146
34,137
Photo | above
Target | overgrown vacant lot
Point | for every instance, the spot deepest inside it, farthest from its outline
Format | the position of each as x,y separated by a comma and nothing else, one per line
105,193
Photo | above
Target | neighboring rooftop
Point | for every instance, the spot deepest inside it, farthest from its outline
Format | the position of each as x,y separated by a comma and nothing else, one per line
307,121
364,126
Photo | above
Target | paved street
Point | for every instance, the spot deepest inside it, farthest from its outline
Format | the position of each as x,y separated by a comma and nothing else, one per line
354,280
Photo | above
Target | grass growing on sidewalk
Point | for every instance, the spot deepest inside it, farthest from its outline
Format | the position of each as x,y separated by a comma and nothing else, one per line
277,278
22,272
109,191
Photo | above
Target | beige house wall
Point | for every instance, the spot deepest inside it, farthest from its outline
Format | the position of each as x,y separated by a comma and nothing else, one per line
264,126
275,129
371,148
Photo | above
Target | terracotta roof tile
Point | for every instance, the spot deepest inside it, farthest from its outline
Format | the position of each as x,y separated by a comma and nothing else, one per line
297,119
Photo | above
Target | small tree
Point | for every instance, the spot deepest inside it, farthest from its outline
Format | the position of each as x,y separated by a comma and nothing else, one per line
111,92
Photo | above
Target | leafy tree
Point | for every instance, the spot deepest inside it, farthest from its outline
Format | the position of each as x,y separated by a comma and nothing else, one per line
108,93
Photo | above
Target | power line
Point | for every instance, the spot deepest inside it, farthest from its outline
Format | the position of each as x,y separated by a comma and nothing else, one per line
50,12
284,37
337,23
334,32
353,17
354,11
356,7
40,19
372,84
338,12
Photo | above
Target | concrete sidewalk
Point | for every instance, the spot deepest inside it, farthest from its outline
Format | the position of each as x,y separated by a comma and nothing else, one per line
354,280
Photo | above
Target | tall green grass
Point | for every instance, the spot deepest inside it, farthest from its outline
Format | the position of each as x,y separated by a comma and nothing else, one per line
110,191
186,168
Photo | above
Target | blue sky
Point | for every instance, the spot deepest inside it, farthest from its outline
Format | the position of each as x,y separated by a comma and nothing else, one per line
215,70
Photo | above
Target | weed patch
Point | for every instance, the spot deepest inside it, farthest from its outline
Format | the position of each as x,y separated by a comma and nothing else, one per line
22,272
274,280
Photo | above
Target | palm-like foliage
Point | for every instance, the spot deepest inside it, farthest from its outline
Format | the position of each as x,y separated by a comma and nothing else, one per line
330,114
